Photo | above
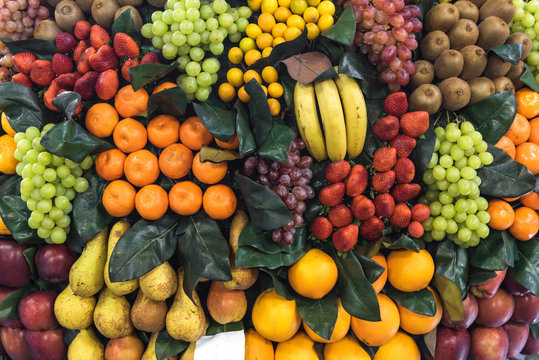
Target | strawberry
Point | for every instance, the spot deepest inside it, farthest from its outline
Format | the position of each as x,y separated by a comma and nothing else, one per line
384,158
401,217
383,181
65,42
403,144
80,49
405,192
103,59
420,212
50,94
357,180
386,128
125,46
321,228
332,195
371,229
415,229
107,84
98,36
22,79
362,208
345,238
67,81
86,84
396,104
415,123
61,64
384,205
404,171
340,215
83,64
41,72
129,63
150,58
23,62
82,29
337,171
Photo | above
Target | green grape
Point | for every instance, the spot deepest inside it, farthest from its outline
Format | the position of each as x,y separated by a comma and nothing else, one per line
206,12
472,206
31,204
427,237
26,185
205,37
423,200
438,172
192,4
482,147
204,79
68,209
57,160
435,208
64,221
452,174
38,181
179,15
146,31
216,37
170,51
482,203
486,158
180,5
196,53
61,202
220,6
32,132
193,39
175,27
235,13
535,45
452,226
245,12
474,162
17,155
428,179
214,78
192,15
467,173
464,186
474,241
35,195
456,152
77,172
170,4
186,27
167,17
427,224
433,160
461,205
465,234
440,133
437,235
62,171
465,142
157,15
199,26
159,28
31,156
58,235
19,167
528,20
482,231
445,198
182,64
19,136
157,42
433,187
466,127
445,147
38,169
48,191
60,189
56,213
452,134
242,23
483,216
232,29
167,38
44,158
70,194
453,190
37,216
33,224
24,145
442,184
178,38
212,24
437,144
459,164
476,137
446,161
532,6
36,144
211,65
44,205
469,152
193,68
432,195
184,49
46,128
448,211
475,191
189,84
519,13
43,233
226,19
202,93
81,185
68,181
472,222
47,223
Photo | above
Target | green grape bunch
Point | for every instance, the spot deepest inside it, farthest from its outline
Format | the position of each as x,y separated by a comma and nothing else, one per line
526,20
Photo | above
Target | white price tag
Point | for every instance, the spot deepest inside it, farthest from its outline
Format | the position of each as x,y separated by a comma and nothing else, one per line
223,346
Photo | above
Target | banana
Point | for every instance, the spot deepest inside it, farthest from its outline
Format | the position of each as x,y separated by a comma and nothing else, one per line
307,120
355,112
331,111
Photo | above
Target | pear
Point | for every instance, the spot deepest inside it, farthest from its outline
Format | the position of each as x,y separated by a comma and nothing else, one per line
186,320
86,346
160,283
111,315
149,354
189,353
86,274
73,311
226,306
122,287
148,315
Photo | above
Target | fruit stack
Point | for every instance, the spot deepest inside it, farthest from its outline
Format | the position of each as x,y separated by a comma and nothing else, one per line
525,21
6,63
18,18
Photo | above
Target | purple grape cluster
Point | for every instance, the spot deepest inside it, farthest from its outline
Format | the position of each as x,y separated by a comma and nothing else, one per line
290,181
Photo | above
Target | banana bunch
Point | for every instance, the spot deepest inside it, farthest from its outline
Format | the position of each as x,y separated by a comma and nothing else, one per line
344,117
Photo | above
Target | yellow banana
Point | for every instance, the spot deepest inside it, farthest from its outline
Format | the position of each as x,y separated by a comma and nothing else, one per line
307,120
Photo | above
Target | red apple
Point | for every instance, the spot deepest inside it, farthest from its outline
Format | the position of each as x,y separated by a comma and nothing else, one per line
513,287
14,343
518,334
14,269
497,310
15,324
452,344
489,343
532,345
487,289
46,345
125,348
526,309
36,310
54,261
470,314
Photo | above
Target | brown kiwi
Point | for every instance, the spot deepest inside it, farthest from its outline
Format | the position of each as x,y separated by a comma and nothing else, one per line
463,33
441,17
130,2
103,12
504,9
433,44
424,73
427,97
135,15
496,67
66,14
481,87
503,83
46,30
85,5
521,38
478,3
456,93
475,61
448,64
467,10
515,73
493,31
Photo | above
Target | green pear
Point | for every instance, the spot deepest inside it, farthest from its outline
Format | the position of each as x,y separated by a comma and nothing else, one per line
189,353
111,315
160,283
149,354
86,346
148,315
73,311
86,274
122,287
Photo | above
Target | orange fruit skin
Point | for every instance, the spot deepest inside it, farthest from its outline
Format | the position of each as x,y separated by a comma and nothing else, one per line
506,145
110,164
175,161
527,103
528,155
376,333
314,275
379,284
409,271
208,172
151,202
219,202
257,347
342,325
398,346
130,103
119,198
501,213
531,200
534,130
163,130
141,168
6,126
526,224
8,163
194,134
163,86
130,135
347,348
418,324
299,347
101,119
185,198
519,131
231,144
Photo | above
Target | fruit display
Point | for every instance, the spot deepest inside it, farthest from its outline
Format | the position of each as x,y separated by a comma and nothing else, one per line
18,18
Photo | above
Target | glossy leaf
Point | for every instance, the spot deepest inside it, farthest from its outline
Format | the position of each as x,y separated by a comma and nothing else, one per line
423,151
10,304
359,67
217,155
172,101
21,105
375,110
420,302
67,102
125,24
277,143
371,268
526,270
259,112
144,74
243,130
508,52
30,257
307,67
451,296
282,51
288,86
452,263
332,49
406,242
528,78
219,121
15,215
495,252
478,276
42,49
166,346
216,328
11,185
344,29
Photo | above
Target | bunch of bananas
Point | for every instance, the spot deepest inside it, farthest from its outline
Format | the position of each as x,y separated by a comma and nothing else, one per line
344,117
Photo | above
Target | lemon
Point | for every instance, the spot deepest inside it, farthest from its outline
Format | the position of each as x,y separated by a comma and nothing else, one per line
247,44
269,6
325,22
235,55
254,4
326,8
298,6
311,15
313,31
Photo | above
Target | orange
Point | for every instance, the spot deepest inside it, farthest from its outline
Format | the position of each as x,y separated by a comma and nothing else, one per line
141,168
163,130
130,135
511,199
408,270
501,214
379,284
376,333
252,56
185,198
263,41
208,172
219,202
281,14
506,145
313,275
299,347
3,229
534,130
527,103
8,163
6,126
418,324
266,21
231,144
164,86
347,348
252,74
119,198
151,202
110,164
130,103
175,161
194,134
342,325
531,200
226,92
526,224
274,317
274,106
401,345
242,95
101,119
256,347
519,131
528,155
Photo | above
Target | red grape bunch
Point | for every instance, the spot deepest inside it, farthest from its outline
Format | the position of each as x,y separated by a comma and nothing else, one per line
18,18
290,180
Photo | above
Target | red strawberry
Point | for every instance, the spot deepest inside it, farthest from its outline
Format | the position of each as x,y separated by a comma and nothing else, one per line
150,58
404,145
107,84
404,171
80,49
83,64
357,180
332,195
415,123
61,64
383,181
85,85
337,171
103,59
396,104
41,72
22,79
415,229
67,81
340,215
65,42
98,36
384,159
345,238
401,217
420,212
386,128
129,63
321,228
362,208
50,94
125,46
82,29
23,62
371,229
405,192
385,205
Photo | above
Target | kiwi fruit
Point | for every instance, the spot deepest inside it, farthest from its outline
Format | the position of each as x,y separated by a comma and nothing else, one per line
424,73
475,61
441,17
427,97
463,33
433,44
456,93
135,15
503,83
46,30
66,14
478,3
521,38
496,67
493,32
515,73
103,12
467,10
481,87
504,9
85,5
449,64
130,2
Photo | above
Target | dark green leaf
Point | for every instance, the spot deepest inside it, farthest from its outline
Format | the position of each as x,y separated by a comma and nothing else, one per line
125,24
452,262
536,189
423,151
261,240
344,29
277,143
318,181
478,276
406,242
21,106
508,52
215,117
216,328
70,335
282,51
217,155
11,186
332,49
172,101
359,67
144,74
375,110
30,256
495,252
9,306
143,247
528,78
259,111
15,215
243,130
166,346
420,302
42,49
371,268
314,210
526,270
451,296
330,73
67,102
288,85
425,6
